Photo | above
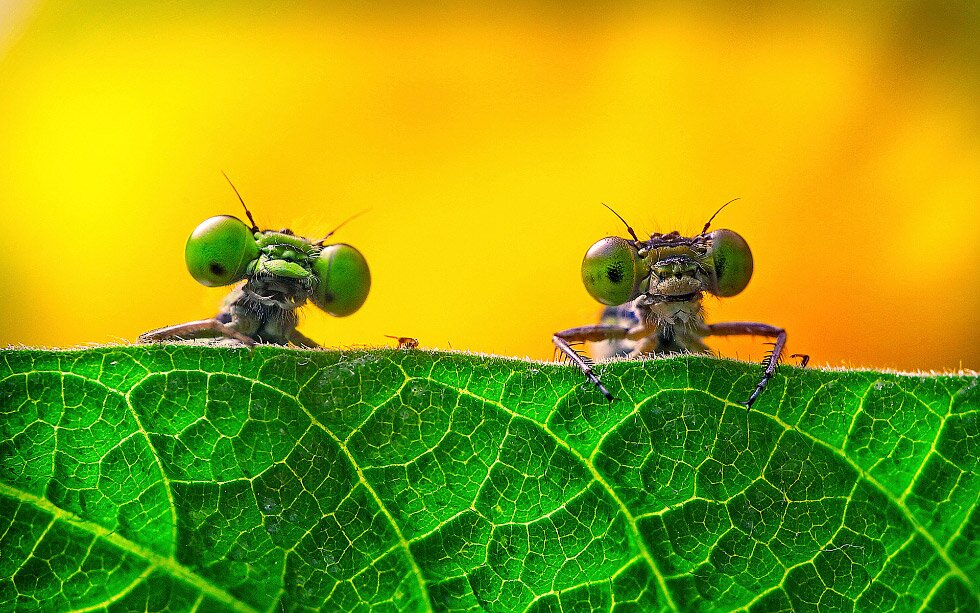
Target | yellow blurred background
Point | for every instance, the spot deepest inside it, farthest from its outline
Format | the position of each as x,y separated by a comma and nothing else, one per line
482,141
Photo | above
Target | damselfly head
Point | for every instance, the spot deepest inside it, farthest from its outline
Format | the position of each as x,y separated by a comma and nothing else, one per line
668,267
280,266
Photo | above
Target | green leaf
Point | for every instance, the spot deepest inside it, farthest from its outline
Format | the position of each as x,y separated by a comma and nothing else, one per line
181,477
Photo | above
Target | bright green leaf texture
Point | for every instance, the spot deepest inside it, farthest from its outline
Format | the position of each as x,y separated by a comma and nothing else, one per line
182,477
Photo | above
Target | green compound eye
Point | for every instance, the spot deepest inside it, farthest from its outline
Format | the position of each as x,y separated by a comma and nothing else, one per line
219,251
344,280
612,271
733,262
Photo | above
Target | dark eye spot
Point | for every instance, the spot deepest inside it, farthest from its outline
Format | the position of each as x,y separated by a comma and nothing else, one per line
615,272
217,269
328,297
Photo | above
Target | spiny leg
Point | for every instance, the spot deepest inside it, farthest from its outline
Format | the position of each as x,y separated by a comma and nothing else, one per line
770,362
597,332
301,340
195,329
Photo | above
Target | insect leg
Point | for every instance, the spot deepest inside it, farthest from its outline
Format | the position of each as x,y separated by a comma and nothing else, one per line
301,340
598,332
195,329
770,362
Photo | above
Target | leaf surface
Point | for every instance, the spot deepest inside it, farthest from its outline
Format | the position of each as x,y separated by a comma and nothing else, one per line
184,477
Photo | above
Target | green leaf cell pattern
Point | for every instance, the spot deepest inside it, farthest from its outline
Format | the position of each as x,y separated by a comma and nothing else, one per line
182,477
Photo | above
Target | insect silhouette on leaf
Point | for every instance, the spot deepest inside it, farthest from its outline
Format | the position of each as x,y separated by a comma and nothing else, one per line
280,270
405,342
653,291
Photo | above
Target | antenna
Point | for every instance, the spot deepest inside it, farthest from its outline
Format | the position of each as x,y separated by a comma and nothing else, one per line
628,228
708,225
255,226
342,224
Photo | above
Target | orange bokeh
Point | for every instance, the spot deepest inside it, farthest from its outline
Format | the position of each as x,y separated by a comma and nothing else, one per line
483,142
